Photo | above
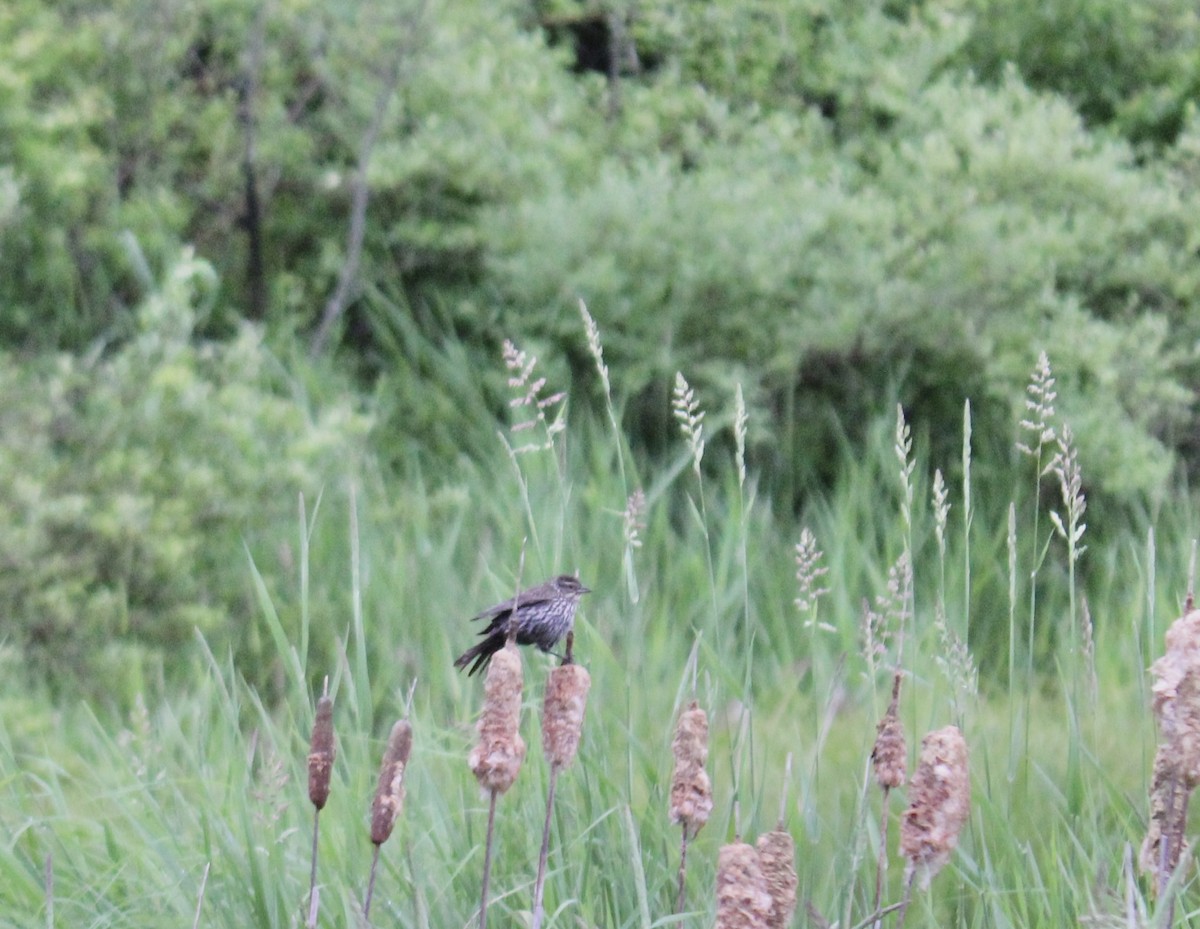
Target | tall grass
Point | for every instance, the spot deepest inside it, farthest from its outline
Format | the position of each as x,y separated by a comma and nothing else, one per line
131,810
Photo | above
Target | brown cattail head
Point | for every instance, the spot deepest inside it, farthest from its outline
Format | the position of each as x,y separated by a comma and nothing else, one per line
321,753
562,713
496,760
1168,820
691,790
1176,703
743,901
389,794
1176,692
890,755
939,802
777,857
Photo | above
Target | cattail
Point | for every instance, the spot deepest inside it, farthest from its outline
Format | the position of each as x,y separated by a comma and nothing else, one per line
939,803
1176,696
890,760
890,755
743,900
562,723
777,858
389,794
1176,704
321,754
562,713
389,797
1164,844
691,790
496,760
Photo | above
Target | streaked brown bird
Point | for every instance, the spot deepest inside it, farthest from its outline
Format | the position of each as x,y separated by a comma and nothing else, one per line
542,615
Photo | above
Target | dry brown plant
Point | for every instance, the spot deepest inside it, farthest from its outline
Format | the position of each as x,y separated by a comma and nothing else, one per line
743,900
389,796
1176,705
777,858
889,758
389,792
691,790
562,725
939,803
321,753
496,759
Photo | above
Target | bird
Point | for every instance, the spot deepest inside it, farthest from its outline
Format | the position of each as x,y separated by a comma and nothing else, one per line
542,614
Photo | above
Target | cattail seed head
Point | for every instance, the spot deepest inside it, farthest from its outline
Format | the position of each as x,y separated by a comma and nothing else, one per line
940,800
777,858
691,790
743,901
1168,820
1176,698
321,753
496,760
1176,704
389,794
890,755
562,713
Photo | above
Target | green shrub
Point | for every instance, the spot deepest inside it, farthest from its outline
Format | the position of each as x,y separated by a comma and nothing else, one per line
1132,65
132,116
131,479
989,224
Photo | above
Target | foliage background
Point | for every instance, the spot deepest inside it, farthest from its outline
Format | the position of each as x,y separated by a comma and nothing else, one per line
834,208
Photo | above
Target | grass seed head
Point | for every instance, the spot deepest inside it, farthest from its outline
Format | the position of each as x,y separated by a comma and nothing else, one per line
940,800
389,794
890,755
562,713
777,858
496,760
321,753
691,790
743,901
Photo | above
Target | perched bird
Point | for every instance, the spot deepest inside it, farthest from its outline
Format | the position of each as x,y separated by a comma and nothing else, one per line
539,616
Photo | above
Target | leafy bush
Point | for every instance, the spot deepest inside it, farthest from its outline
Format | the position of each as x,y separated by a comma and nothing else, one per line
130,480
1132,65
988,224
133,116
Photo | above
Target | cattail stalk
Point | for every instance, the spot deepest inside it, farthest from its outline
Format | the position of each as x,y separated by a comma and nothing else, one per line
890,760
939,803
389,797
321,754
562,725
691,789
496,760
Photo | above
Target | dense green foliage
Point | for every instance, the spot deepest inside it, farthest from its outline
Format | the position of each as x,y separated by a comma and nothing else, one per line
840,204
131,481
129,809
827,210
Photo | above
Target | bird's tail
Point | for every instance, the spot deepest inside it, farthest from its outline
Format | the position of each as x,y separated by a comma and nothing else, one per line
481,654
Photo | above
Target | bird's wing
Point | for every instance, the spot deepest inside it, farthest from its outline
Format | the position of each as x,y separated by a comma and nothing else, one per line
507,606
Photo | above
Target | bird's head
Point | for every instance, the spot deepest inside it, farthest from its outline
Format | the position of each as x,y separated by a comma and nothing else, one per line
569,586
